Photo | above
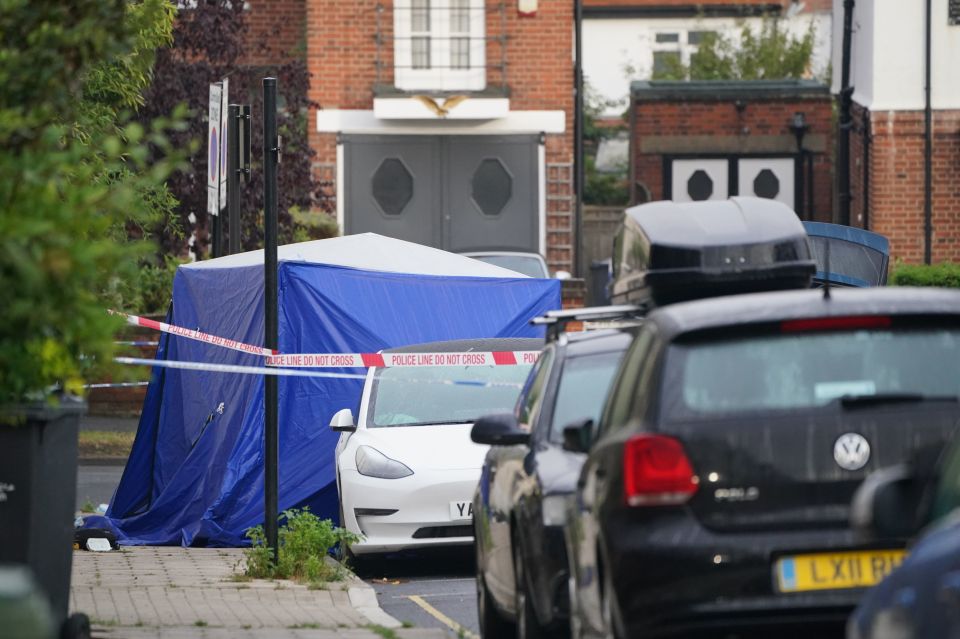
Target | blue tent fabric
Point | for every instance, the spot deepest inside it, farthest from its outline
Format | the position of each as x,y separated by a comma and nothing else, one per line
195,474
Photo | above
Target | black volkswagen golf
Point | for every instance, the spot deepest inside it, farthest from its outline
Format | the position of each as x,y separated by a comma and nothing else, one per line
717,488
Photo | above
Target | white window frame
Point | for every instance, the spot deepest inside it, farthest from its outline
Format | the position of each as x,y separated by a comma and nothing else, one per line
443,78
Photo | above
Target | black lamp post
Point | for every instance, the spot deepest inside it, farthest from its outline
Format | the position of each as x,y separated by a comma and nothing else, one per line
799,127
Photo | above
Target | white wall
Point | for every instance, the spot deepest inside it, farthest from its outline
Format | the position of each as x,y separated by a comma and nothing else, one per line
887,55
617,51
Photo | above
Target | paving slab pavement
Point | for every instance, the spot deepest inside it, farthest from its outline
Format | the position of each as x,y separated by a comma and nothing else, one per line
191,593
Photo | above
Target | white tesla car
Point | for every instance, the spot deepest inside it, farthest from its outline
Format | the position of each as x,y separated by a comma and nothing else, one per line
406,468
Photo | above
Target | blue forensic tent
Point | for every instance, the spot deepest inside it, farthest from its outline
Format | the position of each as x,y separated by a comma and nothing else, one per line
195,474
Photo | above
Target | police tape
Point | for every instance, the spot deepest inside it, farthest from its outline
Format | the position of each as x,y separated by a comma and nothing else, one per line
295,372
198,335
406,360
345,360
116,385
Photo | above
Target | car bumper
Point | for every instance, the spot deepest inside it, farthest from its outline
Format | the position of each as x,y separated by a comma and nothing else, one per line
672,575
422,504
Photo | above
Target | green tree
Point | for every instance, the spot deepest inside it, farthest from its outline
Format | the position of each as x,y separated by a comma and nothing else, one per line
74,172
771,53
600,188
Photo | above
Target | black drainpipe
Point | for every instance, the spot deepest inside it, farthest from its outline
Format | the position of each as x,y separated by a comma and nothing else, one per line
578,178
866,170
846,97
927,157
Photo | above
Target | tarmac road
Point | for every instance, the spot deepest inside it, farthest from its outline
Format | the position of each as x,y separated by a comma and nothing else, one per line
96,483
433,589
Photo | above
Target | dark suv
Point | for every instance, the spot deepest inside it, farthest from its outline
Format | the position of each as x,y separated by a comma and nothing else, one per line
718,483
527,479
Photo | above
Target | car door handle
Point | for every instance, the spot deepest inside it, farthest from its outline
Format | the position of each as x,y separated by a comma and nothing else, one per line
950,589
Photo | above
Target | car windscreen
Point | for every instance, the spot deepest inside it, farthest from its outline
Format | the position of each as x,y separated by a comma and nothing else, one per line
583,388
442,394
529,266
863,265
808,370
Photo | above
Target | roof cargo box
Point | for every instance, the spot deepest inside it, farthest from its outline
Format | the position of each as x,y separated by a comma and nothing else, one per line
668,252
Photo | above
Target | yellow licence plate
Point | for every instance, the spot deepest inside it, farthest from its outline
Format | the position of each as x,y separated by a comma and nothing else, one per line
835,570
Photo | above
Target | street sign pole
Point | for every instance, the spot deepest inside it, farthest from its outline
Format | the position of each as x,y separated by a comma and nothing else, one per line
235,127
215,135
271,156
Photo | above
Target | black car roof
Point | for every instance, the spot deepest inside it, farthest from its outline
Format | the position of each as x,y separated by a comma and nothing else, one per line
755,308
478,344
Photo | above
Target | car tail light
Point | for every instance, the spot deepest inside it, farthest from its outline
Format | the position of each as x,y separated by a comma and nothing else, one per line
656,471
835,323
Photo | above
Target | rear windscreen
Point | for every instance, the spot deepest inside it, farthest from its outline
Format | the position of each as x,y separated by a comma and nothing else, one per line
850,259
807,370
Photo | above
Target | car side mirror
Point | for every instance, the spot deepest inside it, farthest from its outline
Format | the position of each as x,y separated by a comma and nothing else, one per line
342,421
498,430
887,504
577,436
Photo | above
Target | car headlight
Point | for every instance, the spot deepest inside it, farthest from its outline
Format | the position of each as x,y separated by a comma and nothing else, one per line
372,463
554,510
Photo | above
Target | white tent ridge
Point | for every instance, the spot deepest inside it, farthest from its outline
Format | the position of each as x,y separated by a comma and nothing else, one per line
369,252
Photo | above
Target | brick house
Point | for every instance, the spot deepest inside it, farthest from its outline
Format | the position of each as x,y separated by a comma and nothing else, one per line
708,140
626,40
445,123
887,140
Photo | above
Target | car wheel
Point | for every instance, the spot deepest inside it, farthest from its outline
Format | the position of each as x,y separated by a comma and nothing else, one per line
492,623
527,625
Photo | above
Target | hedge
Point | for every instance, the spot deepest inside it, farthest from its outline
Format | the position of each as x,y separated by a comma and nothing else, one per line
946,274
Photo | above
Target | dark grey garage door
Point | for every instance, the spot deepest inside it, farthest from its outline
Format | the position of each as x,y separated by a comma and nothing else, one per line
453,192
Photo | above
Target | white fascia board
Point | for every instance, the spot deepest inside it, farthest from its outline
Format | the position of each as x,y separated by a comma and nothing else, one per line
418,109
366,122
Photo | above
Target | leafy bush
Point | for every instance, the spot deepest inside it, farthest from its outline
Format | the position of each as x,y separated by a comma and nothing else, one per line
771,53
946,274
73,171
305,541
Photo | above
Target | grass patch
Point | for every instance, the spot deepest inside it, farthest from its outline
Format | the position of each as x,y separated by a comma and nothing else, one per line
386,633
200,623
305,542
305,626
105,443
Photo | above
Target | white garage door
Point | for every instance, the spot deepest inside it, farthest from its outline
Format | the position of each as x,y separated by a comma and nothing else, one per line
697,180
771,178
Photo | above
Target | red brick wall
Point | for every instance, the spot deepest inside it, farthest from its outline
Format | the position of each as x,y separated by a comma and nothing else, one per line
342,53
766,117
896,181
810,5
275,31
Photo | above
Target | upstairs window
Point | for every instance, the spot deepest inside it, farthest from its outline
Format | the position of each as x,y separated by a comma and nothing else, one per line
439,45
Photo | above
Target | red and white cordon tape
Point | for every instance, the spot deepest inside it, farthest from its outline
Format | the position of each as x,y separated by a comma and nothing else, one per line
198,335
346,360
416,360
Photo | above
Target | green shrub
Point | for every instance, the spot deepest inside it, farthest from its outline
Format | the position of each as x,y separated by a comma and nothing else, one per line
305,541
946,274
74,172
